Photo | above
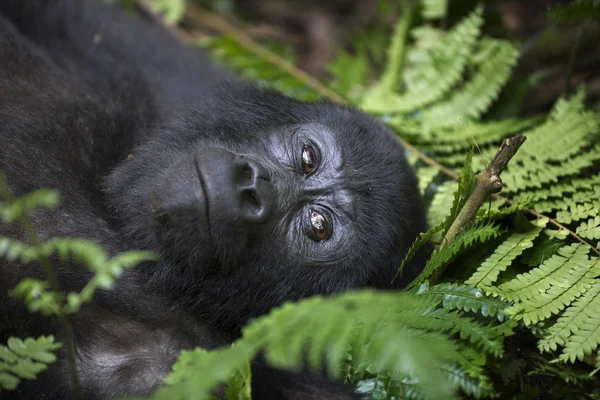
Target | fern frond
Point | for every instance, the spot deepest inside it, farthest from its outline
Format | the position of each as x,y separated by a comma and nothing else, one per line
41,198
534,174
444,253
197,372
441,203
589,229
416,245
580,189
483,88
434,9
580,276
228,52
384,387
497,209
569,131
439,69
586,339
426,176
14,249
25,359
476,387
171,10
487,273
443,320
40,297
348,71
399,333
564,107
381,387
456,139
580,312
395,52
466,183
465,298
569,127
577,211
553,271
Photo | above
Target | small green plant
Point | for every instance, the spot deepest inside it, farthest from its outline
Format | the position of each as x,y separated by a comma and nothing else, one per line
23,359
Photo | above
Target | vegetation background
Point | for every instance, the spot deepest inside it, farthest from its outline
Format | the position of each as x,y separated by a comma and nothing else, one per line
508,305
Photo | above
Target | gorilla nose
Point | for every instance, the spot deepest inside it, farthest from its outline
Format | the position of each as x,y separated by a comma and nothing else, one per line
237,187
254,188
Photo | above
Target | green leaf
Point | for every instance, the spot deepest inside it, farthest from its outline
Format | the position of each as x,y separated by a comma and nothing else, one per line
487,273
554,285
590,229
15,210
431,71
445,252
466,183
25,359
417,244
466,298
434,9
497,59
172,10
399,333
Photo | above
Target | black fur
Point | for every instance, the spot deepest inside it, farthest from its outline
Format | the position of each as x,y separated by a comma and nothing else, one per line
153,148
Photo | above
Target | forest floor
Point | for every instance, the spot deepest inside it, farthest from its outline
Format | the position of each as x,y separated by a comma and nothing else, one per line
556,57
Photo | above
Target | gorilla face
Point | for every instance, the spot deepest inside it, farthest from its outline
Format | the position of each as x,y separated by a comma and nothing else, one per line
286,202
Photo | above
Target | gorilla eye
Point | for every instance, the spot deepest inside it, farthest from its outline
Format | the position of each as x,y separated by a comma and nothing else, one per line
320,226
309,159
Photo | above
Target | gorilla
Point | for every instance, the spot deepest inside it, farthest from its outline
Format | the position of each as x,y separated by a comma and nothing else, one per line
250,198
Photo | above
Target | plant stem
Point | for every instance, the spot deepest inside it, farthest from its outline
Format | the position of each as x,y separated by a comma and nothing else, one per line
64,318
487,183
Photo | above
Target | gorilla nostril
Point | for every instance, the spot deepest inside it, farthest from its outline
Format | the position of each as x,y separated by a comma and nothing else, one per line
247,171
251,201
255,191
247,175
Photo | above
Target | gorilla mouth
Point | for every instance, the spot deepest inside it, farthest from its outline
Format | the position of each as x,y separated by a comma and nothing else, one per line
205,195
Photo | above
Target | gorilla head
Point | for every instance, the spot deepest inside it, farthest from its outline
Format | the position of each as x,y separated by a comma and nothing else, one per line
254,199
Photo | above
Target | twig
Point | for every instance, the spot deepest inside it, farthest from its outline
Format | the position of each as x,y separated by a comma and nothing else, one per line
487,183
557,224
213,21
218,24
